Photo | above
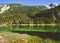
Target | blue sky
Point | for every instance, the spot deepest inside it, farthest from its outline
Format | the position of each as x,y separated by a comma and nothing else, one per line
29,2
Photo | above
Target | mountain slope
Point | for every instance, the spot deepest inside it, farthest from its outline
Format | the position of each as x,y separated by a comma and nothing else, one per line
49,16
21,14
20,8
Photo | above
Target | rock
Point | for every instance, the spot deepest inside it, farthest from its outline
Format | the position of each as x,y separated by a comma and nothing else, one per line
2,40
22,41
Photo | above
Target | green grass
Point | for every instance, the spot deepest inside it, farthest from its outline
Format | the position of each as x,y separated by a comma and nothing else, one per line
10,37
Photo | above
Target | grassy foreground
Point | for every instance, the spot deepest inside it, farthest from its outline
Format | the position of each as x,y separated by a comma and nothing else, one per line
10,37
7,36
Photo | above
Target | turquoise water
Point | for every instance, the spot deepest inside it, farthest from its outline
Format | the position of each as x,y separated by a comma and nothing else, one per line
31,28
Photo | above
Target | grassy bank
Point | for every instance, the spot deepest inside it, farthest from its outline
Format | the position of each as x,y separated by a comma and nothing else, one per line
10,37
17,34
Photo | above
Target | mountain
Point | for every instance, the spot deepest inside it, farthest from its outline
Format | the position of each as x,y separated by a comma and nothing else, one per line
20,8
52,5
22,14
49,16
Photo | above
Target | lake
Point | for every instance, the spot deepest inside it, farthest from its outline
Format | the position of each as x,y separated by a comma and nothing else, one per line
32,28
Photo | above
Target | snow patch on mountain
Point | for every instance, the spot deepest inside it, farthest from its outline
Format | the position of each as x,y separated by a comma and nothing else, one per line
4,8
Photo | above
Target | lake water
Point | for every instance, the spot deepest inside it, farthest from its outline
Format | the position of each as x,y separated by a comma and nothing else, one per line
32,28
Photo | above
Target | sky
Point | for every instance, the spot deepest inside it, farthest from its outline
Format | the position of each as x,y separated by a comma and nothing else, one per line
30,2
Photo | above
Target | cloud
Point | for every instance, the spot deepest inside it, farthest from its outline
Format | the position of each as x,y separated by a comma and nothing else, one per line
56,4
48,6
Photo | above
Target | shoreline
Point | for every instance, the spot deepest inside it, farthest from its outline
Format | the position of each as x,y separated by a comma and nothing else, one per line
36,24
6,25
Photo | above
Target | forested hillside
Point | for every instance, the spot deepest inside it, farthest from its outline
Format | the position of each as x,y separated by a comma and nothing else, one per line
22,14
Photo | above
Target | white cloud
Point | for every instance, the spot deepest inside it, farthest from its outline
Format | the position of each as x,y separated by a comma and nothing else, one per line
56,4
48,6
